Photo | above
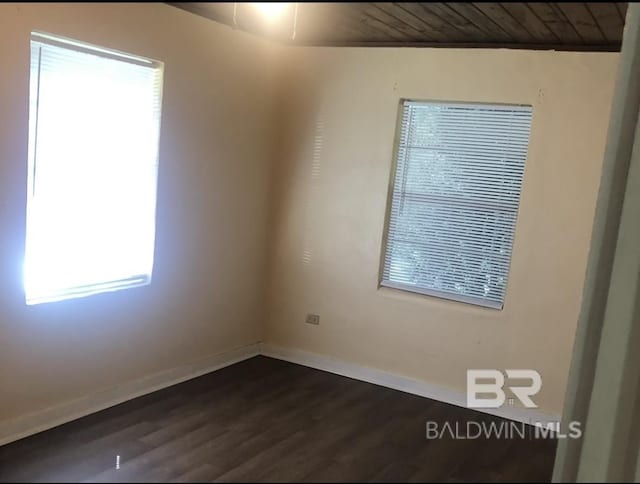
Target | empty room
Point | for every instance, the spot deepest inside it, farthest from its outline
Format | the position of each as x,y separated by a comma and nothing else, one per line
319,242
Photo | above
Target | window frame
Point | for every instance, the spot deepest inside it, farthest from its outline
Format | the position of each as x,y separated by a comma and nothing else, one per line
99,287
478,303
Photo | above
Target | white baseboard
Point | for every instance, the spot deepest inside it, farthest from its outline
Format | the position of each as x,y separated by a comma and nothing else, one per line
51,417
401,383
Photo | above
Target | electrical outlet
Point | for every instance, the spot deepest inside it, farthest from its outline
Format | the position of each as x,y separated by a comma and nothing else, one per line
313,319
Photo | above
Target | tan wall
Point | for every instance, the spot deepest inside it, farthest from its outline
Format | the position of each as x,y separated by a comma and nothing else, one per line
208,281
330,199
335,114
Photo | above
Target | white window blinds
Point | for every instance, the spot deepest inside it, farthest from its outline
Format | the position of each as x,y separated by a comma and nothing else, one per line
455,197
94,125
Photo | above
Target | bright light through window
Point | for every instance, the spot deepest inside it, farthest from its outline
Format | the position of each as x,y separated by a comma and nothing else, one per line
94,126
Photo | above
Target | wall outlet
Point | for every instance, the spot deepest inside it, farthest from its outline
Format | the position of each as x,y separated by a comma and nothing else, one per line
313,319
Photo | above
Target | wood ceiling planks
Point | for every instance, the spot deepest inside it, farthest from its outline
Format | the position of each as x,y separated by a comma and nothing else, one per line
534,25
583,22
609,19
555,20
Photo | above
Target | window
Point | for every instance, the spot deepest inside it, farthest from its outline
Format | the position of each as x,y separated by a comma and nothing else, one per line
94,122
454,201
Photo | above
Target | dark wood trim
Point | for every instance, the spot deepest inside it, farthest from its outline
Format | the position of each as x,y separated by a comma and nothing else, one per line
464,45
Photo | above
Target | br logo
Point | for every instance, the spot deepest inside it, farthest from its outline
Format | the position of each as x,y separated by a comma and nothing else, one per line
483,382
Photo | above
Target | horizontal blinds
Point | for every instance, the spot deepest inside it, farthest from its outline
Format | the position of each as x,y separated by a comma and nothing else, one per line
93,152
455,198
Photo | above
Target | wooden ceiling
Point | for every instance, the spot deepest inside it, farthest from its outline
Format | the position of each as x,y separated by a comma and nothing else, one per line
559,26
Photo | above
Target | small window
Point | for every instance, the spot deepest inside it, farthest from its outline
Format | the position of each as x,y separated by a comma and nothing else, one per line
454,200
94,122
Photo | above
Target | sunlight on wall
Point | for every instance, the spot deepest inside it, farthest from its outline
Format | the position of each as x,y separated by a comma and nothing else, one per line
318,144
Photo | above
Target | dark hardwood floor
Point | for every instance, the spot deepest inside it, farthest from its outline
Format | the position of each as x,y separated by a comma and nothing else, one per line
268,420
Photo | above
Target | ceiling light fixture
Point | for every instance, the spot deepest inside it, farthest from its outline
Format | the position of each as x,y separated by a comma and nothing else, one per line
272,10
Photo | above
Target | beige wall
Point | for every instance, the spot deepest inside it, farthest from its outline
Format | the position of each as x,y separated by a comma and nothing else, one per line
209,275
323,197
330,196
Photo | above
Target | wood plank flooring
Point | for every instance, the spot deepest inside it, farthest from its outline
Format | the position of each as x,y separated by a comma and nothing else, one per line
268,420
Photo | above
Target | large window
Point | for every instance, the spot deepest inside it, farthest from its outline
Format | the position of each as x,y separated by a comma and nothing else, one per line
94,125
454,201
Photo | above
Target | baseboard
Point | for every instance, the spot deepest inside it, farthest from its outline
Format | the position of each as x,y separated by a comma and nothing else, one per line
401,383
26,425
